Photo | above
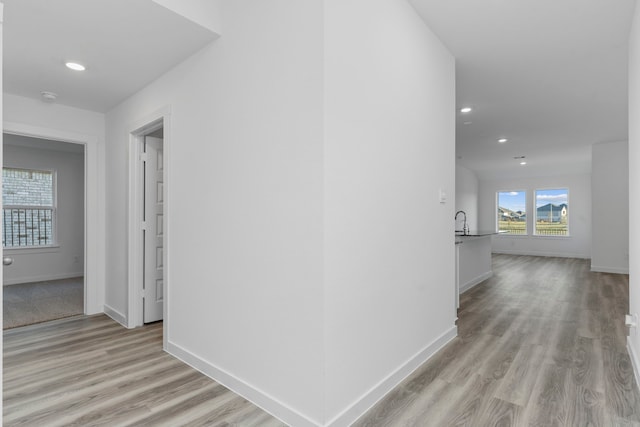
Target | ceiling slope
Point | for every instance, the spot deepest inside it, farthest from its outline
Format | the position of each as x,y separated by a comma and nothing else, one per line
551,76
125,45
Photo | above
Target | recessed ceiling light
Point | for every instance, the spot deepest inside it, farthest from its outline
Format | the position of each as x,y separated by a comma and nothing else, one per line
523,163
465,110
502,140
75,66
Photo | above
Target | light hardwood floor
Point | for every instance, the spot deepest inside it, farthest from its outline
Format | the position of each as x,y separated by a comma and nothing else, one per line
542,343
90,371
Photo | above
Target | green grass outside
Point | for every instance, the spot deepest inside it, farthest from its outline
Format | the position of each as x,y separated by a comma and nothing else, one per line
542,228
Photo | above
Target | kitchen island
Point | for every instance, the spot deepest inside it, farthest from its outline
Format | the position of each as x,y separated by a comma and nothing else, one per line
473,260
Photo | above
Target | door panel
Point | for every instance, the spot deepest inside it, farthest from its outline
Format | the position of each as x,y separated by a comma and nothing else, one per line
153,230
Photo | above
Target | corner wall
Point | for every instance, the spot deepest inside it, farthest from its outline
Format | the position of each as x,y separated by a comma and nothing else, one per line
311,261
634,187
389,246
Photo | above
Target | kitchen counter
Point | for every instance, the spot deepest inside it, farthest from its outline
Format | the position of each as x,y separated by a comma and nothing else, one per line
473,259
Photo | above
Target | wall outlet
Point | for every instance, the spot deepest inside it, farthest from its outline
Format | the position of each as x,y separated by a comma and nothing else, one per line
631,321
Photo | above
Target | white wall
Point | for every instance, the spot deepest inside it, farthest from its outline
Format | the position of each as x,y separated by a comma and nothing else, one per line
30,117
467,197
66,260
610,214
389,247
634,186
284,139
578,245
245,159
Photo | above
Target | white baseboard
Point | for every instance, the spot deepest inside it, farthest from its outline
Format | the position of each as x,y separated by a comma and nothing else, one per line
379,391
634,362
475,281
599,269
540,253
115,315
41,278
289,415
256,396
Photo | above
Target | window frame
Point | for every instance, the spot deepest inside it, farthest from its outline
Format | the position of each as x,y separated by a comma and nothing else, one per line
54,211
497,207
535,217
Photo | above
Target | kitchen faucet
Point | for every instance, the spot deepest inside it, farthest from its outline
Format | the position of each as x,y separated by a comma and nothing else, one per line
465,227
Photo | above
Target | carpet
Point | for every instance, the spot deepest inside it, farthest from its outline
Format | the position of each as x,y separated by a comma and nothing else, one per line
29,303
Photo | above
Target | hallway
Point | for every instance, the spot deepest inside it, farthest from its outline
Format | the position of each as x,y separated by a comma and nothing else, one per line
541,343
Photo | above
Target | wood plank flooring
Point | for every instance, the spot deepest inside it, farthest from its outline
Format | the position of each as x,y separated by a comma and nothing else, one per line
90,371
541,343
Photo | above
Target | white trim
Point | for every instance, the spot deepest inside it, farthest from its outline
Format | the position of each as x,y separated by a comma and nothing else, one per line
253,394
380,390
616,270
94,190
635,362
29,250
115,315
159,119
475,281
289,415
42,278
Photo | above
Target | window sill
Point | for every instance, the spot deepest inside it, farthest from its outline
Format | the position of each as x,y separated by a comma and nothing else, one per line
32,250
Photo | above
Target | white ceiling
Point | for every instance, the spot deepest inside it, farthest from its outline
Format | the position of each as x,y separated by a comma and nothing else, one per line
125,44
549,75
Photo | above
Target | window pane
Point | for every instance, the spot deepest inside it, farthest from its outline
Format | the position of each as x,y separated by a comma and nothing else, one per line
22,187
28,211
552,208
512,212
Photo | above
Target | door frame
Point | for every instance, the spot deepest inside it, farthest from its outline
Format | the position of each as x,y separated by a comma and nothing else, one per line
151,123
94,222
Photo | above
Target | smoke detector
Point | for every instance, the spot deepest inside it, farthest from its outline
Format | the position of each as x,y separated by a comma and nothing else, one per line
48,96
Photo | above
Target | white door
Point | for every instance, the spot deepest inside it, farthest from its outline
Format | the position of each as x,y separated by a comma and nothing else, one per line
153,230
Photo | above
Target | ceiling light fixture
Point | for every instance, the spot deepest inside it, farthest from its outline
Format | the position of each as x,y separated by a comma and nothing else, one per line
465,110
523,163
48,96
75,66
502,140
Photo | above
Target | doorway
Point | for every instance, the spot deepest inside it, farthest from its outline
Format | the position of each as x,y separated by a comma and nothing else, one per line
147,224
43,222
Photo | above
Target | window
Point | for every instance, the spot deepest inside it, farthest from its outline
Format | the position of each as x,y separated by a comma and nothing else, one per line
29,209
512,212
552,207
